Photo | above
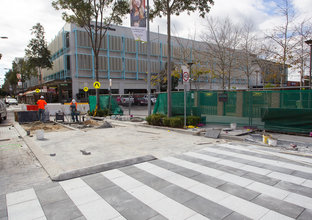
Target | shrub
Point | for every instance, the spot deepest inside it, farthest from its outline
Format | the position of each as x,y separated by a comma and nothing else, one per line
166,121
149,119
157,119
100,112
192,120
176,122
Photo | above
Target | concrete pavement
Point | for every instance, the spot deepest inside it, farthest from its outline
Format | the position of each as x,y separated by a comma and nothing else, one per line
220,181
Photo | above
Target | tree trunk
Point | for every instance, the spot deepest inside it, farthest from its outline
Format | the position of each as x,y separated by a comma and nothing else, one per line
97,92
168,64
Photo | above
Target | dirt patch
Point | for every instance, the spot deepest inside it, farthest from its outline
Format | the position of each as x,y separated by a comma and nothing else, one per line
91,122
44,126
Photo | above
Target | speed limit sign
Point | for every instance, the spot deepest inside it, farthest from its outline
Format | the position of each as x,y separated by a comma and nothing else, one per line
186,77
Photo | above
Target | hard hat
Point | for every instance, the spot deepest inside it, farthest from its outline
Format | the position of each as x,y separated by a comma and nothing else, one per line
42,97
73,101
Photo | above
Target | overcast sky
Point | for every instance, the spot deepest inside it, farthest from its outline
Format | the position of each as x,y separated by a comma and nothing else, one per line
18,16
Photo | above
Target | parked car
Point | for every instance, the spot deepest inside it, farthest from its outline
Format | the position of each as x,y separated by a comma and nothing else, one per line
140,100
3,111
153,99
11,101
127,100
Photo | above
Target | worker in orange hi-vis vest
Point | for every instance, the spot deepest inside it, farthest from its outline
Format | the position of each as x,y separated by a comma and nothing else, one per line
73,108
41,106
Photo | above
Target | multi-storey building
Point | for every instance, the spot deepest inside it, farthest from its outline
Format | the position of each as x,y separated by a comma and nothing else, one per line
124,60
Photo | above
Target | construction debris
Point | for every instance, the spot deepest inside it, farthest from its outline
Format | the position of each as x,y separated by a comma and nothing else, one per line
42,126
105,125
213,133
85,152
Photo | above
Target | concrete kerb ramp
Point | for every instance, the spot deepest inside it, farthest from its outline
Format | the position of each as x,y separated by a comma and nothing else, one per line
56,173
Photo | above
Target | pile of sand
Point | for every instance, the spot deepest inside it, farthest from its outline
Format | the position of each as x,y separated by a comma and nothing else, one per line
91,122
43,126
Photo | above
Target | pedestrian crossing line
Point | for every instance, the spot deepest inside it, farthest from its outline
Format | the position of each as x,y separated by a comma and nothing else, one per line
285,158
253,169
154,199
227,200
254,185
24,205
91,205
259,159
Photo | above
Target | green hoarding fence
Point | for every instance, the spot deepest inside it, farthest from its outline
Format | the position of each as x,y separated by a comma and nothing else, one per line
289,110
104,103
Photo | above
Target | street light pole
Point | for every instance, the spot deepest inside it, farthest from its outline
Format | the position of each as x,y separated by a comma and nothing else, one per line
190,65
148,62
309,42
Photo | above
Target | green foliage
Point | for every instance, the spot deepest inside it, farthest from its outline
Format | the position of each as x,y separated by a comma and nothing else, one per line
177,7
100,112
166,122
192,120
155,119
176,122
37,51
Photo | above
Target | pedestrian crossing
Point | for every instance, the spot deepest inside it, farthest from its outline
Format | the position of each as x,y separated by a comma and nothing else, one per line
223,181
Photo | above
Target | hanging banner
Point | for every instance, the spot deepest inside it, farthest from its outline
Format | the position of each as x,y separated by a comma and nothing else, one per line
138,19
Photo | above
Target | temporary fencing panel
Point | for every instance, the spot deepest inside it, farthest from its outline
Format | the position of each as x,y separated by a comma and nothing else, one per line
104,103
287,110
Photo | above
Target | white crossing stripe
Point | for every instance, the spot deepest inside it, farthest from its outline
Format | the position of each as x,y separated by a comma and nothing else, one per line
227,200
253,185
284,164
249,168
91,205
259,159
154,199
24,205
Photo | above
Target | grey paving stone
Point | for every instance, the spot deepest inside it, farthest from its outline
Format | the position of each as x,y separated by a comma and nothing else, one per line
279,206
62,210
208,180
130,169
291,187
199,161
158,217
207,208
149,179
80,218
232,170
177,193
277,169
45,186
97,181
51,195
178,169
126,204
261,178
239,191
3,207
305,215
236,216
302,174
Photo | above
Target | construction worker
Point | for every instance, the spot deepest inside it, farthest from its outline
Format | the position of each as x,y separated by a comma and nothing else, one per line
41,108
73,108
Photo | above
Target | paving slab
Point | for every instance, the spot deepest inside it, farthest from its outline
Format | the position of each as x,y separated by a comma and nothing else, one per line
109,148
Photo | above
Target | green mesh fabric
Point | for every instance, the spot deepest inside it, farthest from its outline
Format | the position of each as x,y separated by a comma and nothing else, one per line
104,103
292,109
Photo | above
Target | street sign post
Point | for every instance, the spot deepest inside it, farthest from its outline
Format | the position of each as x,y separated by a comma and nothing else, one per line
186,78
96,84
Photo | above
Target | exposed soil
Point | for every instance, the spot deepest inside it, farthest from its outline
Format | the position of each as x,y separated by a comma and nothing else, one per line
91,122
48,127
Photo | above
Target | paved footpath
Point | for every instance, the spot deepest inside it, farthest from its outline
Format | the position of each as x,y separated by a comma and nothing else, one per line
221,181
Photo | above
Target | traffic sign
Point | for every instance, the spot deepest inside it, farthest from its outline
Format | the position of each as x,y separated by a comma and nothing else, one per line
186,76
85,89
96,84
37,90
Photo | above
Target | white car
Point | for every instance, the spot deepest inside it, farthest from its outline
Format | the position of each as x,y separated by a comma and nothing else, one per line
11,101
3,111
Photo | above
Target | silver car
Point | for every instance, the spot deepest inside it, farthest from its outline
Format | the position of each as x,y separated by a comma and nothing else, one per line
3,111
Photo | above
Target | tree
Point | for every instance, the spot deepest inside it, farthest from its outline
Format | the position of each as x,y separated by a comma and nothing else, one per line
95,16
246,57
37,53
171,7
222,40
282,38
